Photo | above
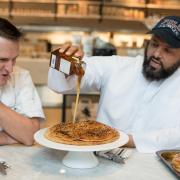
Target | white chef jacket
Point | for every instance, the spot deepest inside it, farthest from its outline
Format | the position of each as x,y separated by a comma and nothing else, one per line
150,111
20,94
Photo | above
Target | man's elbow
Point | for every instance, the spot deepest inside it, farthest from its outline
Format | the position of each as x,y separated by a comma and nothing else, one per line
29,140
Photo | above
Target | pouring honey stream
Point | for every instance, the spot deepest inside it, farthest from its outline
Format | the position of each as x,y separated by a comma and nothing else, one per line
80,74
69,65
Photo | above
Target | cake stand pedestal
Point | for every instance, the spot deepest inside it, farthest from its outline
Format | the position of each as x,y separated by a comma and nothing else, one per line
80,156
81,160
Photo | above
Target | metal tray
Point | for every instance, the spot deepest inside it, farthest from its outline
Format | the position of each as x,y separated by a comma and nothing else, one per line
166,156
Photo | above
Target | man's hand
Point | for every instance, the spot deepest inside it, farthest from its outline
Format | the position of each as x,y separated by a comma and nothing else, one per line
75,55
70,50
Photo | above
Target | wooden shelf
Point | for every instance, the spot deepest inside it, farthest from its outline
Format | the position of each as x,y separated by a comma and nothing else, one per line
78,16
164,6
31,1
127,5
55,10
32,15
65,8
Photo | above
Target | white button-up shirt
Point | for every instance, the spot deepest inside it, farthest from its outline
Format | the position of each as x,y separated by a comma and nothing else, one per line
20,94
150,111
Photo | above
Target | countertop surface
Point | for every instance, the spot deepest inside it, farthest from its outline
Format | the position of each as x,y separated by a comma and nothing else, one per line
42,163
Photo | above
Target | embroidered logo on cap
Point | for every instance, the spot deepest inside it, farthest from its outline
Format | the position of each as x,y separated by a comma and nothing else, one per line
172,24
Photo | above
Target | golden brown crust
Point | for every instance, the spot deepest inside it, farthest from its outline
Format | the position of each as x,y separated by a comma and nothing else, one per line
82,133
176,162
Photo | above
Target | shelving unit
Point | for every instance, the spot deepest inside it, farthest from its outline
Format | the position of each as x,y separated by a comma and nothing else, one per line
164,8
53,11
91,10
4,8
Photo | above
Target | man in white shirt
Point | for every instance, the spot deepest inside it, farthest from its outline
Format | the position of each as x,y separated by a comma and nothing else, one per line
138,95
20,106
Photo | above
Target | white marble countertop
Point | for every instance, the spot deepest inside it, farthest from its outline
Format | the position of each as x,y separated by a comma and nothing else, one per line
41,163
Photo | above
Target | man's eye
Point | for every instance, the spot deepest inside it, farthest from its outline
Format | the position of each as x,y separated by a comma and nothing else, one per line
2,60
154,44
167,50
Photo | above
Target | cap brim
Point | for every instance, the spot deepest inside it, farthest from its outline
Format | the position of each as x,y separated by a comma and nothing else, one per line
167,36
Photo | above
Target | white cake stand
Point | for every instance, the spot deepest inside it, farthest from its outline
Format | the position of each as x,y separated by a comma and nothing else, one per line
79,156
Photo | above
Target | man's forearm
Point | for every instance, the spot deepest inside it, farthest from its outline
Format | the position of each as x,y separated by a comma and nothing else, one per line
17,126
5,139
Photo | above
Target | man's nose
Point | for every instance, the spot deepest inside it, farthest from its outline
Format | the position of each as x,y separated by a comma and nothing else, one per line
9,66
157,52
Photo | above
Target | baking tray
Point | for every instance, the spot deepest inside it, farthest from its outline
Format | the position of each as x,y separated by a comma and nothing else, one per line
166,156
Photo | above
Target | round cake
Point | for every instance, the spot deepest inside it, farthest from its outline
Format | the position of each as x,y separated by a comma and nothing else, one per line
82,133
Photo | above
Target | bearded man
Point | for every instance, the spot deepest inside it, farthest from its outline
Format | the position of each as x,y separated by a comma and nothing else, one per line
138,95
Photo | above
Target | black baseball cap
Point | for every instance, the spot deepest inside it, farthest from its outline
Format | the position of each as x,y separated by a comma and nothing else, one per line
168,29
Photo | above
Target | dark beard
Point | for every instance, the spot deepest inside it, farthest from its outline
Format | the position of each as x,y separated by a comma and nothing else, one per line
151,74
